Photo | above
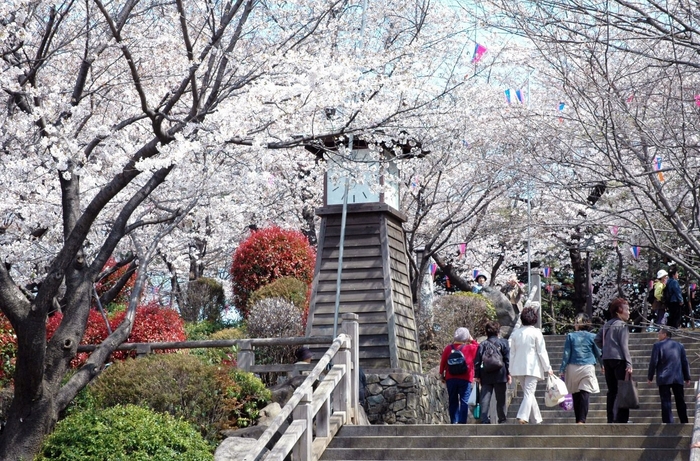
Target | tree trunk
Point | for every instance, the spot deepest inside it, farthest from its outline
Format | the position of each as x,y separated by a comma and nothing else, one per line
579,269
27,424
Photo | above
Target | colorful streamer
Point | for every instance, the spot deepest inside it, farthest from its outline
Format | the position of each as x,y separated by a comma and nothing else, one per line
433,268
507,93
462,248
635,251
546,272
657,167
519,95
479,51
697,100
475,273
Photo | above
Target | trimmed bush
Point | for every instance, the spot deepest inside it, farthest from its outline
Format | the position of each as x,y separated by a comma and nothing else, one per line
205,301
461,309
124,433
267,255
288,288
183,386
152,323
274,318
221,355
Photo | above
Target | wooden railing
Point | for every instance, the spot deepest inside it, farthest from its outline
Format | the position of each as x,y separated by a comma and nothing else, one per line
328,397
331,404
695,440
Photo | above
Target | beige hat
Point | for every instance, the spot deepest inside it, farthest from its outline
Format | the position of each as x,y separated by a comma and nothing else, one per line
662,273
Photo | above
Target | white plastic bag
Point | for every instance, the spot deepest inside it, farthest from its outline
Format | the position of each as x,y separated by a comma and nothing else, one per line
472,396
555,392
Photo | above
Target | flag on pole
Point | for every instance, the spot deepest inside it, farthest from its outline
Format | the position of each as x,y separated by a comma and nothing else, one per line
657,167
635,251
519,95
546,272
479,51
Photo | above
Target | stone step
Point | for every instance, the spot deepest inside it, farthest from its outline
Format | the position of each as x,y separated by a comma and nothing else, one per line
512,442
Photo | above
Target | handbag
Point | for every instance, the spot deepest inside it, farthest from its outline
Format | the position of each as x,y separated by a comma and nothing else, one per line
568,402
555,391
472,401
627,394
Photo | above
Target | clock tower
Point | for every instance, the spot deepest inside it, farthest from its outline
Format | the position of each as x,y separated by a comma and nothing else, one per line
361,184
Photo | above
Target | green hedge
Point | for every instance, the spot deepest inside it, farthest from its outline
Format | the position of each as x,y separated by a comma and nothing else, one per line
124,433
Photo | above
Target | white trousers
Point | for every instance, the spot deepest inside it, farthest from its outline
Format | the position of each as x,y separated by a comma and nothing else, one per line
529,410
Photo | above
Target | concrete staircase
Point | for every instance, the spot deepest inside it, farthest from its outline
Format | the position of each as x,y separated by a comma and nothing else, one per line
558,438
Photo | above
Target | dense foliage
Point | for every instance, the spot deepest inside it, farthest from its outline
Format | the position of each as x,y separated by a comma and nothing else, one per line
153,323
205,301
267,255
461,309
124,433
208,396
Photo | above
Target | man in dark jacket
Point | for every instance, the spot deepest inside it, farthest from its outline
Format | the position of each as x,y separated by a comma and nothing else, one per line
670,364
673,297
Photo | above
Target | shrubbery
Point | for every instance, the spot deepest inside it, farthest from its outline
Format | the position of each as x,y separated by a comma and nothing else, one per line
151,324
205,301
124,433
462,309
267,255
8,351
182,385
221,355
290,289
274,318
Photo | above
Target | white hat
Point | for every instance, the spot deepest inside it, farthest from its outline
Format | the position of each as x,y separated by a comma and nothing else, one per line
661,273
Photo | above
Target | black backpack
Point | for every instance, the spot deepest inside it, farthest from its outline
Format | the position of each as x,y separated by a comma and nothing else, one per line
456,363
666,296
650,296
491,357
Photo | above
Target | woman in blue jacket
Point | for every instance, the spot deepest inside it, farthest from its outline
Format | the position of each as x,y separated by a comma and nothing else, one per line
578,366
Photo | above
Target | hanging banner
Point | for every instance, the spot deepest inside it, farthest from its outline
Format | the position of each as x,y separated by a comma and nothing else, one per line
635,251
546,272
475,273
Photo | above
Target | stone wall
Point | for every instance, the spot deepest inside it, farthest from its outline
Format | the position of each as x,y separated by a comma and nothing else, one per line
406,398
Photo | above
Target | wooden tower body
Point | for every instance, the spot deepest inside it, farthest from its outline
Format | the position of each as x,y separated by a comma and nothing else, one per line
374,284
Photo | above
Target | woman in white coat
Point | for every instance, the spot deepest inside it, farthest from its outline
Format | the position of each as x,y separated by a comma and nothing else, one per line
529,362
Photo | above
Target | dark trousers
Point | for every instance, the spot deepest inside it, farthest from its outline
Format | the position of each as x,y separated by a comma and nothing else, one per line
458,394
666,406
486,391
614,371
675,314
580,405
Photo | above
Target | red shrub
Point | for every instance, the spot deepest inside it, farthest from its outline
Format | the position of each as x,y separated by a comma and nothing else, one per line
8,351
152,324
267,255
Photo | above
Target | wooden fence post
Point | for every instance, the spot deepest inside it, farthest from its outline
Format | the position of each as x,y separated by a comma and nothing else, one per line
246,356
302,449
350,327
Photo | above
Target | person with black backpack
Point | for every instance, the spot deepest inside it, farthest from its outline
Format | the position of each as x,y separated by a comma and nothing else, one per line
457,370
491,372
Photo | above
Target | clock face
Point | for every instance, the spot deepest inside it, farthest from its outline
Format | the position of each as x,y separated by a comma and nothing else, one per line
357,192
362,175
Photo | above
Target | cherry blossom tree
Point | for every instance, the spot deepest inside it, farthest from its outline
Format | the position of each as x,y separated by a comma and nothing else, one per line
162,131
